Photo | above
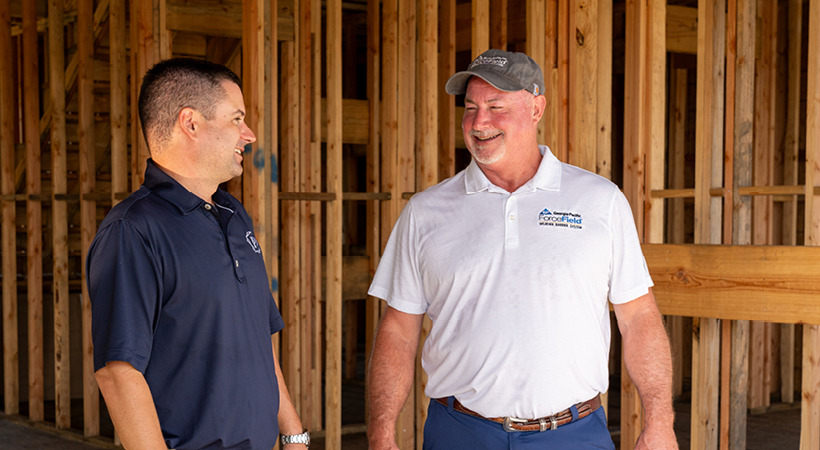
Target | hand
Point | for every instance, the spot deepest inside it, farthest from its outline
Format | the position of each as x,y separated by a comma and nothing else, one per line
381,441
657,438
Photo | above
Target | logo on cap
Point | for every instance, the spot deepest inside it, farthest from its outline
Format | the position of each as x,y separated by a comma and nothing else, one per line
494,60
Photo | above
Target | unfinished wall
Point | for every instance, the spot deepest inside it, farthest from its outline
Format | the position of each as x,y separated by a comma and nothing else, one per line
705,113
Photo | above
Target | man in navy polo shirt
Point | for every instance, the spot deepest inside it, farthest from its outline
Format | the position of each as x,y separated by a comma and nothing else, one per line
182,313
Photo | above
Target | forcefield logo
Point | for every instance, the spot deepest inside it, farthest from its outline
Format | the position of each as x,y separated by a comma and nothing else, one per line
570,220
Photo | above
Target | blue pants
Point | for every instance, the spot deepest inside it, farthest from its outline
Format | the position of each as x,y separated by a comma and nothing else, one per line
447,429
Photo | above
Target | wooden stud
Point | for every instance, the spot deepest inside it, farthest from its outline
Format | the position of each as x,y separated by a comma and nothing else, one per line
311,309
119,100
88,208
34,223
708,174
548,127
562,77
790,176
536,47
373,306
603,127
480,29
583,105
447,103
333,238
498,24
59,209
11,382
810,406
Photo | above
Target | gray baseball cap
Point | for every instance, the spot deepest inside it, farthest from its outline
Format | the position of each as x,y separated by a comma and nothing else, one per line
506,71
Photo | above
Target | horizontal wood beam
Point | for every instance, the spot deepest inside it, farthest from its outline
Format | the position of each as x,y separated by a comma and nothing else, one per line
222,18
682,29
769,283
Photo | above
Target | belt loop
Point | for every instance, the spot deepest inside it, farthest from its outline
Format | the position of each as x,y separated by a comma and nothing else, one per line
450,402
574,410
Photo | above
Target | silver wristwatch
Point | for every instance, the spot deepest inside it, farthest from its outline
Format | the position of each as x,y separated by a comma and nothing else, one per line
303,438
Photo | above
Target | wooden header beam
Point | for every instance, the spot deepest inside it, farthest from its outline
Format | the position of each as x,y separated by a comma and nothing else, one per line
771,283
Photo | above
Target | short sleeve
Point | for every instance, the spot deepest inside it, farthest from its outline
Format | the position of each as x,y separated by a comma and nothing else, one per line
629,277
124,284
397,279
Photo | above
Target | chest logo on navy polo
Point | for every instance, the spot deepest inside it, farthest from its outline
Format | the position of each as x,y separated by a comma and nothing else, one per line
252,241
563,219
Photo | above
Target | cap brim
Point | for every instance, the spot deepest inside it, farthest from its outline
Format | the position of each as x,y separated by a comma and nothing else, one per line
457,84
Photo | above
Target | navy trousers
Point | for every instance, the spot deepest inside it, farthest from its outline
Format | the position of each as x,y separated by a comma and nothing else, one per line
448,429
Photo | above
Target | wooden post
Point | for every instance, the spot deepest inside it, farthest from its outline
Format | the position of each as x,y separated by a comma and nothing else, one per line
447,103
11,383
427,167
762,175
88,207
810,406
603,127
743,140
498,24
119,101
144,54
536,48
583,105
373,306
790,175
59,210
480,30
34,223
333,243
708,174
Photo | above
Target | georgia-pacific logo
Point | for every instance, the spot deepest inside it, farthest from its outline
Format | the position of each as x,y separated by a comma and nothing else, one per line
560,219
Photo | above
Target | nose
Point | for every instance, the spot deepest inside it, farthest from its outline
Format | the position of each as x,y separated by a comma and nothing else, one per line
247,134
480,119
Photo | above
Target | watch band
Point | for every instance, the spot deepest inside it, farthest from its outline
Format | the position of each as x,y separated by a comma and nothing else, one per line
303,438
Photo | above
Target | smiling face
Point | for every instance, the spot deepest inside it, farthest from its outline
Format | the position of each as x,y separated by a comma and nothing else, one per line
224,137
496,123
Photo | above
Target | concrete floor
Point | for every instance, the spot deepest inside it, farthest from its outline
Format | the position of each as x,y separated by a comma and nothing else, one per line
778,429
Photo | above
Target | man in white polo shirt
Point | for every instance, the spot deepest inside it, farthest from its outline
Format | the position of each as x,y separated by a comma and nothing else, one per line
515,259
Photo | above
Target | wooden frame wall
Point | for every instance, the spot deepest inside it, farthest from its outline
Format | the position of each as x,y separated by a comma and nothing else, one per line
411,131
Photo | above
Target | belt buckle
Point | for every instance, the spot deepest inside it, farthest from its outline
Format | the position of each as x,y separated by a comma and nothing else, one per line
509,421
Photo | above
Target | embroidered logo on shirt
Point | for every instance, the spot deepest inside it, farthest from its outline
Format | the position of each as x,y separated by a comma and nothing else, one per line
560,219
252,242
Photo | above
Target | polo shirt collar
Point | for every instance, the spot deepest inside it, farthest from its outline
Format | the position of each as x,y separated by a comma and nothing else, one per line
170,190
547,178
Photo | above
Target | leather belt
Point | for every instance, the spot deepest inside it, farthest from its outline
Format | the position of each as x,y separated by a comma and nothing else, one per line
545,423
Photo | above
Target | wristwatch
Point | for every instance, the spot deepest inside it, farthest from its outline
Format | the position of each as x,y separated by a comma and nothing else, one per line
303,438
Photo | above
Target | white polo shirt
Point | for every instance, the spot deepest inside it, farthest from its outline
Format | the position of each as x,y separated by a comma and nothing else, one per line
516,285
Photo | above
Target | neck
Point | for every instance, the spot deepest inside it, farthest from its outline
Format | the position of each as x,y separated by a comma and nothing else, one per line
511,175
194,185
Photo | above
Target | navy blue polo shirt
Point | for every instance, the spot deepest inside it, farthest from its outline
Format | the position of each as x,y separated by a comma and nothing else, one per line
181,293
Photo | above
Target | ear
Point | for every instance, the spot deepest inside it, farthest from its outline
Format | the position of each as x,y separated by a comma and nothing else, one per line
187,120
539,104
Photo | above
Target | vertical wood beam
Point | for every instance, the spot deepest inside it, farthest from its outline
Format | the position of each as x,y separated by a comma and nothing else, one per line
145,45
644,150
583,105
480,31
810,406
88,207
743,141
708,174
428,157
59,210
406,151
34,222
603,127
548,128
762,175
311,310
536,48
790,177
11,382
447,103
498,22
119,100
335,219
373,243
